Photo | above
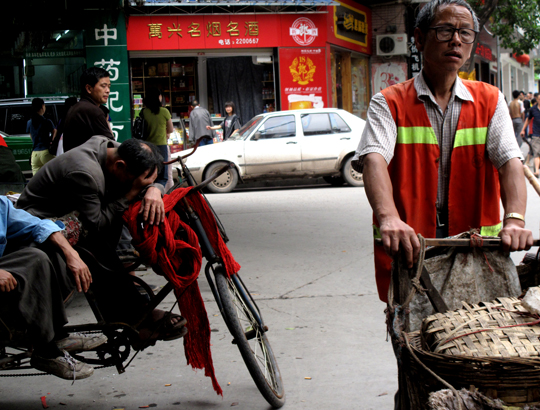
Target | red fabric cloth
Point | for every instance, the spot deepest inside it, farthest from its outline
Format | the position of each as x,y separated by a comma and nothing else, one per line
180,259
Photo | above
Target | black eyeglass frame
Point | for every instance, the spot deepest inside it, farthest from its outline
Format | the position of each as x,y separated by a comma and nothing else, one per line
436,28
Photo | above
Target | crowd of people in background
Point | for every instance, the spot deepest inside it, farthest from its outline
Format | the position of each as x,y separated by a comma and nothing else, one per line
526,121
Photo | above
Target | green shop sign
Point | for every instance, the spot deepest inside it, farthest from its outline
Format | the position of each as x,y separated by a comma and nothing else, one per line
106,47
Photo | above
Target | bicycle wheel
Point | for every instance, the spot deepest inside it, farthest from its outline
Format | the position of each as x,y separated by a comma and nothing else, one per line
256,351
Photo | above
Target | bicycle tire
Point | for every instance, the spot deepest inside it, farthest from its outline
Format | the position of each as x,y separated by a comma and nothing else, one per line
256,352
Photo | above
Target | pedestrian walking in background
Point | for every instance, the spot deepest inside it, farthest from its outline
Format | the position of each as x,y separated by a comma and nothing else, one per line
231,123
534,117
158,127
199,123
43,132
516,113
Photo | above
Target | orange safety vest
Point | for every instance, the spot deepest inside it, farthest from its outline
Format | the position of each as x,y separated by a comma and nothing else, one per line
474,195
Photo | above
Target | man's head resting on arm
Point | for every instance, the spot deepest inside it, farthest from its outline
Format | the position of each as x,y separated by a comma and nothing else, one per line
131,160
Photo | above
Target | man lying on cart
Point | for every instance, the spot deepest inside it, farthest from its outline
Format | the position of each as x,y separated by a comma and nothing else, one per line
34,260
97,181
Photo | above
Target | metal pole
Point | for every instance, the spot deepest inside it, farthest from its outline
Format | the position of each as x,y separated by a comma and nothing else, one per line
499,68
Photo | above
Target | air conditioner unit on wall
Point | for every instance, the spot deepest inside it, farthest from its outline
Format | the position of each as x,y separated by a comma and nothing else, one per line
392,44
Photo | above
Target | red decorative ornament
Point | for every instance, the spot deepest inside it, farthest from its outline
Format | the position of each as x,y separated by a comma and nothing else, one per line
523,58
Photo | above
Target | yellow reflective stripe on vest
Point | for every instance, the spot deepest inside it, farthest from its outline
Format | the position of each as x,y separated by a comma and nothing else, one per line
470,136
376,232
416,135
491,230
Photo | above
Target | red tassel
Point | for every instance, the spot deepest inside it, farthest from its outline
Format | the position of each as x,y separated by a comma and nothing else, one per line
181,263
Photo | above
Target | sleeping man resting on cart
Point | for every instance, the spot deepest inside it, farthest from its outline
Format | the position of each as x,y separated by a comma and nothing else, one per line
98,180
33,285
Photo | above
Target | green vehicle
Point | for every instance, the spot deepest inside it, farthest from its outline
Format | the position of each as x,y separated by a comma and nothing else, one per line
14,115
21,146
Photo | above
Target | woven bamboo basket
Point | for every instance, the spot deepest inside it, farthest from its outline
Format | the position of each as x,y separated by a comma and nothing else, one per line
491,346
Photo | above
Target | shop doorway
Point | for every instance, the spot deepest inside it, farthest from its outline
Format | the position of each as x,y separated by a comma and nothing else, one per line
238,80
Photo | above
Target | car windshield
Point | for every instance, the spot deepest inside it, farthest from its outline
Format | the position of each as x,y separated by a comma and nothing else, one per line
247,129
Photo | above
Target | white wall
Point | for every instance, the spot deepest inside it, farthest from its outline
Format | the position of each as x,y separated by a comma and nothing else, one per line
524,76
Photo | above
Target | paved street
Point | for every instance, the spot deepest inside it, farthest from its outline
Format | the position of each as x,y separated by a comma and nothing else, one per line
306,255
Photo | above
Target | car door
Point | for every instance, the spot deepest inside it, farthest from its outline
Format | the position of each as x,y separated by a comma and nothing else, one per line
274,148
325,136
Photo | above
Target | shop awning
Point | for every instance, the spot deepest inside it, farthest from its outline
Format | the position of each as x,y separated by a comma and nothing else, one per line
162,3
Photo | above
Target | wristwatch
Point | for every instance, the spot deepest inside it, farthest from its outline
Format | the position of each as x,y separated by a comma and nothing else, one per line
514,215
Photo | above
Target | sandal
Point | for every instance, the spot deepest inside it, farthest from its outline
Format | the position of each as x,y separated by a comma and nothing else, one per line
164,329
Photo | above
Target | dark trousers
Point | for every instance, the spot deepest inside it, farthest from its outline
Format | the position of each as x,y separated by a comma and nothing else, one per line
116,295
37,303
206,141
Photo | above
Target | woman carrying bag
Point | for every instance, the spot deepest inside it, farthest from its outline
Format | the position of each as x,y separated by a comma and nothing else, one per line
158,127
230,124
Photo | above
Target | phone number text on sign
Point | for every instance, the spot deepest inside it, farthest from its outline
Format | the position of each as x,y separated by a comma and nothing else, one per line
228,42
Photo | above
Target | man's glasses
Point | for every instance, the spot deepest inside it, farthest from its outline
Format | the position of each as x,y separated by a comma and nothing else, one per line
445,33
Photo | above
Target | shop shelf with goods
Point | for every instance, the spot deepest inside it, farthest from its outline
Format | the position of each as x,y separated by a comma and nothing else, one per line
268,91
174,77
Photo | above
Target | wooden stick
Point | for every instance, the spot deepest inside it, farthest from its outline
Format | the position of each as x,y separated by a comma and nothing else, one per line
486,243
532,179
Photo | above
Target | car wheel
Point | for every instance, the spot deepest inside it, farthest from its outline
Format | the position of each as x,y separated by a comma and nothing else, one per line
335,180
226,182
351,176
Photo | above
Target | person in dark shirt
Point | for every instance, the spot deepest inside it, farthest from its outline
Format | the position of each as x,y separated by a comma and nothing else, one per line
89,116
534,141
42,131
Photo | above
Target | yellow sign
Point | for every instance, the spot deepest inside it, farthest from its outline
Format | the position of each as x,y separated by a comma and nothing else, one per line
464,75
351,24
302,70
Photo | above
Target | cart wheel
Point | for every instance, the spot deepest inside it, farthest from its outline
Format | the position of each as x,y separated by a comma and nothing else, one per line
251,341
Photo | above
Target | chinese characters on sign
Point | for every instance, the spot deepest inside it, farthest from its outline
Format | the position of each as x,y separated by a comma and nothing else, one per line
213,29
303,80
302,70
106,54
484,51
352,24
414,60
209,31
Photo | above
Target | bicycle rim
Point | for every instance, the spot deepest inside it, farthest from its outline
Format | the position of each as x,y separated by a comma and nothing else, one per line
256,352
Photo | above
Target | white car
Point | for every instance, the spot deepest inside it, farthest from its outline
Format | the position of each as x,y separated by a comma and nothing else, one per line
284,144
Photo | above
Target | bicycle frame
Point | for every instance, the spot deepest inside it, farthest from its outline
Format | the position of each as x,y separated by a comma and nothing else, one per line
207,249
210,255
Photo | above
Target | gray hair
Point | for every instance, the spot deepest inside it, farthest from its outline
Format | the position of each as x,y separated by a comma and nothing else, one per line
427,13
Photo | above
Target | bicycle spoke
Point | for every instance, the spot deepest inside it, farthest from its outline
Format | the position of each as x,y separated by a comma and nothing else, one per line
256,344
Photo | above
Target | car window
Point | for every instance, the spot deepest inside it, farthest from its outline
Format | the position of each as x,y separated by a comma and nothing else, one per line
338,124
18,116
246,129
278,127
316,124
3,115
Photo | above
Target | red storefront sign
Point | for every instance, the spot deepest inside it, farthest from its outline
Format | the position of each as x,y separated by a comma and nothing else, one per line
484,51
302,73
225,31
349,26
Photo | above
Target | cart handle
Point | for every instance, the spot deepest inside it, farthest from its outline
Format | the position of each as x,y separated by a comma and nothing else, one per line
177,159
486,242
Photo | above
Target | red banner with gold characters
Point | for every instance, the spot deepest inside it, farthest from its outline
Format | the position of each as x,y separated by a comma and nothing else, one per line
218,31
302,73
